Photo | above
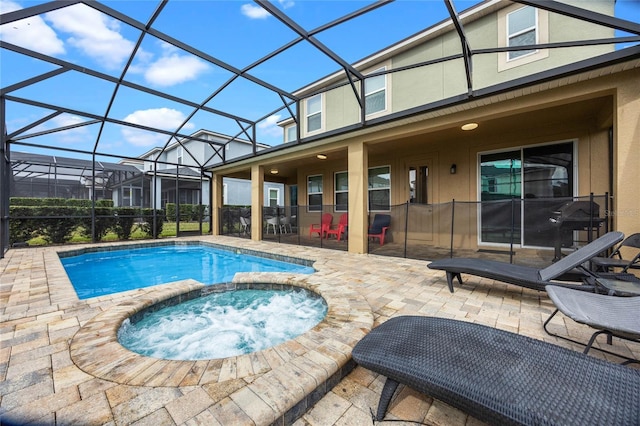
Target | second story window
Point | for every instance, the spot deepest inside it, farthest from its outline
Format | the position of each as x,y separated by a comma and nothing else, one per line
522,30
314,193
375,93
314,113
180,154
290,133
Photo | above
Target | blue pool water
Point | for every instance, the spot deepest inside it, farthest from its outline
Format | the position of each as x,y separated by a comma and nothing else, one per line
223,324
106,272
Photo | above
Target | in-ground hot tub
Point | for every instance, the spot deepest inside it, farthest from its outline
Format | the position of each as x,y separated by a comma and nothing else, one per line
221,324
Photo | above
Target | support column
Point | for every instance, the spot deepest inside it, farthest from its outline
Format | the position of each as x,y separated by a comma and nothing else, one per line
257,199
626,209
358,166
217,200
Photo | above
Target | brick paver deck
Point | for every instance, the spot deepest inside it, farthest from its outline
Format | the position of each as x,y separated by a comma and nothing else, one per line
59,363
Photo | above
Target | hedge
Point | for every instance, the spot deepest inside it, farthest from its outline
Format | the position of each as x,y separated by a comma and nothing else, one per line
55,219
188,212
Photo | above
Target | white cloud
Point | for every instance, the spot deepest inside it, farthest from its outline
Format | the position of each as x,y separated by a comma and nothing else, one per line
71,136
159,118
286,4
94,33
254,12
31,33
78,134
174,69
270,126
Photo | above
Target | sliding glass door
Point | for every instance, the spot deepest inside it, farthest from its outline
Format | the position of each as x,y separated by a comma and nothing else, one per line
520,190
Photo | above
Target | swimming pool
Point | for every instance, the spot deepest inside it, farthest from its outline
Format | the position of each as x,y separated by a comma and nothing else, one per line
100,273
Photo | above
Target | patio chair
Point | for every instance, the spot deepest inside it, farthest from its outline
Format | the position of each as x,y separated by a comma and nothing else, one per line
245,223
273,222
285,224
379,227
497,376
527,276
610,315
321,228
341,228
615,260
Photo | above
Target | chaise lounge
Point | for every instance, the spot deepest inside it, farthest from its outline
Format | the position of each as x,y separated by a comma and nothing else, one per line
497,376
527,276
610,315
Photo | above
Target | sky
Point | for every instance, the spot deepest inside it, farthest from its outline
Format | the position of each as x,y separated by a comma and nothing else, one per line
238,33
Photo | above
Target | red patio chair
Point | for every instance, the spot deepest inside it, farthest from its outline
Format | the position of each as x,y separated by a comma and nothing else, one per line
342,227
321,228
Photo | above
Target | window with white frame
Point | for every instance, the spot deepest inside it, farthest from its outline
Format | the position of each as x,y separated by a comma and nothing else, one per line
314,193
375,93
380,188
180,154
314,113
274,196
291,133
522,30
341,191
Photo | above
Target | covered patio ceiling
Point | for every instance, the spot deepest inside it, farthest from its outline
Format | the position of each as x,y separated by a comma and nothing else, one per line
93,105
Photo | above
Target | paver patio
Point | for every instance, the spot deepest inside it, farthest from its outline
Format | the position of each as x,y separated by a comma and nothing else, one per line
46,341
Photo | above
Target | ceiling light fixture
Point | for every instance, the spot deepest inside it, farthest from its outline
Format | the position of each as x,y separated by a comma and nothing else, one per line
469,126
274,171
321,157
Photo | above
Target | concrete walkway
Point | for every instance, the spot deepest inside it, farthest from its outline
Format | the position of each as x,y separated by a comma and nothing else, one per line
58,365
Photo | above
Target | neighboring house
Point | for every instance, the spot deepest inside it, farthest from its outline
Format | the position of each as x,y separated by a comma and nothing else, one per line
521,124
175,169
47,176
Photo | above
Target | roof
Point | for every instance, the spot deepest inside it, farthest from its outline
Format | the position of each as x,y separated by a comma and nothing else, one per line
228,100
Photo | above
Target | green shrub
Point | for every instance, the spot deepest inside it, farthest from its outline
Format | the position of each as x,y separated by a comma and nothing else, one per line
104,203
171,211
76,202
22,226
147,222
124,220
57,223
197,212
104,222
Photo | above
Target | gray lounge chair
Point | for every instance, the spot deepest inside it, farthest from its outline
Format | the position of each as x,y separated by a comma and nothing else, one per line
496,376
527,276
615,260
610,315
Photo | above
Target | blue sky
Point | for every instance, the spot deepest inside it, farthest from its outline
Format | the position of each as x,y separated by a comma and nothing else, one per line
236,32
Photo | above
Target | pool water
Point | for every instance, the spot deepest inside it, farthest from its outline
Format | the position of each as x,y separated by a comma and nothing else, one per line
107,272
224,324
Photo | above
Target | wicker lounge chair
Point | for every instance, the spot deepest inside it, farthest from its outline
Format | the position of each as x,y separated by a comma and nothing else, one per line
527,276
496,376
610,315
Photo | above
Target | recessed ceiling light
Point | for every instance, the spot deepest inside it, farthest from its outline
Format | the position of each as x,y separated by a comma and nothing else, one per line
321,157
469,126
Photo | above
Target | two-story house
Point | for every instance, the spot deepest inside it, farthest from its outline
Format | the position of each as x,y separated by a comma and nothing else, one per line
505,102
172,174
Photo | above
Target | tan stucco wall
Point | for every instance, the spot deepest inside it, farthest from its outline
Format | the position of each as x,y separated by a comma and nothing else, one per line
578,110
420,86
